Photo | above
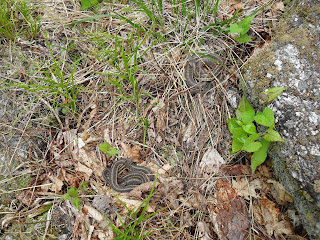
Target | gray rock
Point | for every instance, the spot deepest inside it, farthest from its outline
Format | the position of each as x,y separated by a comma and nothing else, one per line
293,60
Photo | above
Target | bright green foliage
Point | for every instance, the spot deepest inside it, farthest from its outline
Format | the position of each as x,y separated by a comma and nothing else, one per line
107,149
265,118
85,4
260,155
72,194
244,132
274,93
242,28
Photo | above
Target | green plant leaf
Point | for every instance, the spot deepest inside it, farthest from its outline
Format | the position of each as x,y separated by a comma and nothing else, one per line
239,123
266,118
73,192
107,149
233,124
244,105
239,134
235,28
85,4
241,27
273,136
250,145
274,93
245,24
248,116
46,208
83,186
249,128
236,146
65,196
260,155
76,202
243,38
245,111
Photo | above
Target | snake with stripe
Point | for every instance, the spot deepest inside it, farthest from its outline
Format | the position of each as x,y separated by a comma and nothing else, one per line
200,71
124,182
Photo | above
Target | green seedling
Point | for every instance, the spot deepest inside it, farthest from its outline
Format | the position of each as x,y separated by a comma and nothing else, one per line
73,193
85,4
242,28
145,124
108,150
244,132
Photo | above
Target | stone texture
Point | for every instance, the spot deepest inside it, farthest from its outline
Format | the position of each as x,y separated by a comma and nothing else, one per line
293,60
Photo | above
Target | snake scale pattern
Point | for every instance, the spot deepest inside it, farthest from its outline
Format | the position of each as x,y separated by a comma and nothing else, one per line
201,71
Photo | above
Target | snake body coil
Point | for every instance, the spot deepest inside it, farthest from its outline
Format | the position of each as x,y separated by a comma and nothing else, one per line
136,175
201,71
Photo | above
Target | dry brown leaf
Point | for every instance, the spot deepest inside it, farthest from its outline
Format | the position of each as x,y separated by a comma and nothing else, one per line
197,200
230,215
95,214
79,226
270,214
256,210
225,193
188,133
283,227
145,187
282,194
211,161
233,223
82,168
57,184
132,204
132,152
27,197
237,170
88,158
64,163
204,231
278,7
245,189
169,190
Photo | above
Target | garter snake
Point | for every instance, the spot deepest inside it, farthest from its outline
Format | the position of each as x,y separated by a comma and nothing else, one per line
125,182
201,71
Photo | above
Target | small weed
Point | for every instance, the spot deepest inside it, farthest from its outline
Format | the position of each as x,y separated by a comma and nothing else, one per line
73,193
244,133
145,124
242,28
17,18
85,4
138,216
53,84
108,150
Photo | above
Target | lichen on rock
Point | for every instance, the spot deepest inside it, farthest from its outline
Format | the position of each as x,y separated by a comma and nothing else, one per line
293,61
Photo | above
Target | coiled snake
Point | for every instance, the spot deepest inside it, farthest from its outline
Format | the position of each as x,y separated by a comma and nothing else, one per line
125,182
201,71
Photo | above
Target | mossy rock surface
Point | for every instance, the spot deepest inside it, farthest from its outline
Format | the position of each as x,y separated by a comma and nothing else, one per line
293,61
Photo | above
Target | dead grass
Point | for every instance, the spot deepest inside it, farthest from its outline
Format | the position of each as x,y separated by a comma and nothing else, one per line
100,93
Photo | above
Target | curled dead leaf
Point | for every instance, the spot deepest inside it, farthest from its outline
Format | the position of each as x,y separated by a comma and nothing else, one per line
247,189
211,161
132,152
